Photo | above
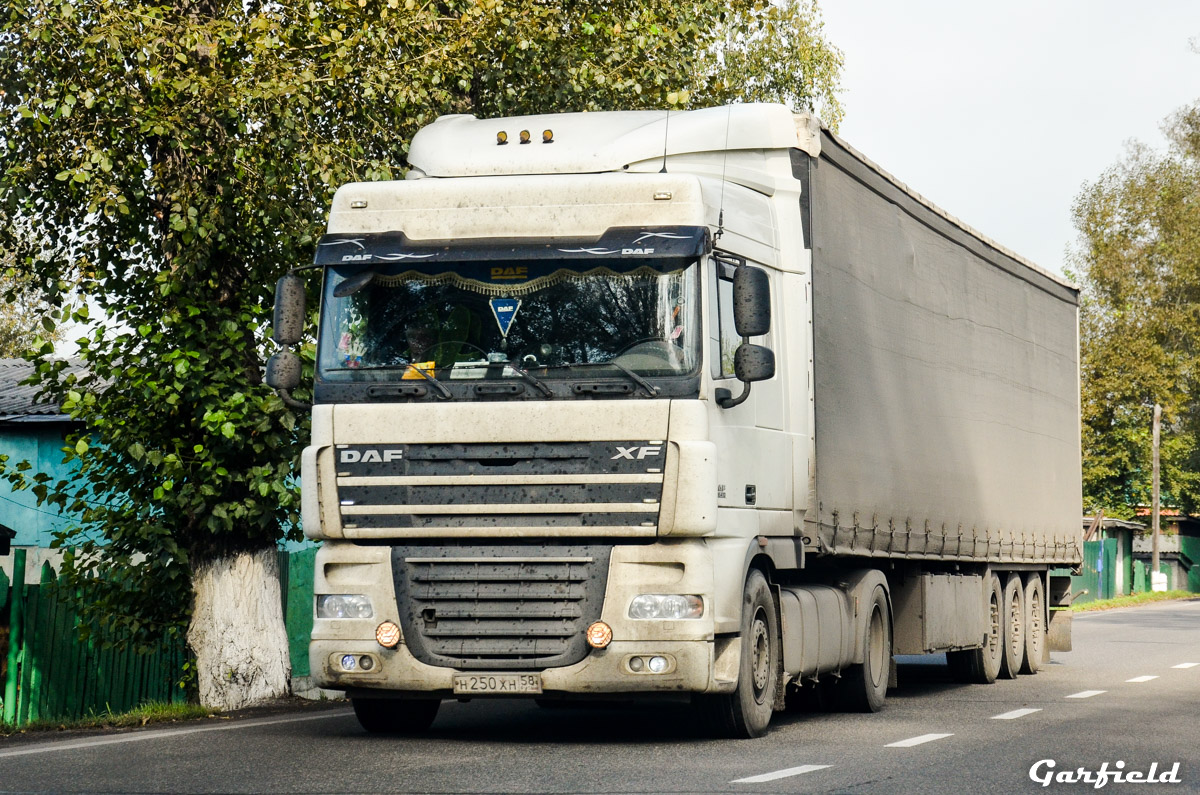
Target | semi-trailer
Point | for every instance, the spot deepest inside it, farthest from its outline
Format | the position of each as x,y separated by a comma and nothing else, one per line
698,405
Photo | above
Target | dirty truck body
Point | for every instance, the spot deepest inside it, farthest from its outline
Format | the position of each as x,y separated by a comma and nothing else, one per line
535,471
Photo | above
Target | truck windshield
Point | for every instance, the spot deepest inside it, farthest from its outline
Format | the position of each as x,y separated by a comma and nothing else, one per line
492,320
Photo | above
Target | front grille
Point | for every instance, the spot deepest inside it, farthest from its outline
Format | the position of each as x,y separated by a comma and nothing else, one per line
499,607
515,489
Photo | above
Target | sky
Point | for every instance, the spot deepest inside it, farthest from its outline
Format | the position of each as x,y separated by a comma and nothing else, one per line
1001,113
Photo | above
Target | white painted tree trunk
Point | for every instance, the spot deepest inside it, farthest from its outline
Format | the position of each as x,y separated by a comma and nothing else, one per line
237,631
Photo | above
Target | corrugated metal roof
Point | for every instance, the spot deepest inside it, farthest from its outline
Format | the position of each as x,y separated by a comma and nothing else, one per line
18,402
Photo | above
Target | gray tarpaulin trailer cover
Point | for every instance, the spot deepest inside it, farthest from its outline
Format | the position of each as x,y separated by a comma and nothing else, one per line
946,380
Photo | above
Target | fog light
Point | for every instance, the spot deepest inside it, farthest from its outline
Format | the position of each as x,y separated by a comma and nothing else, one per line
387,635
349,662
636,665
365,663
599,635
657,665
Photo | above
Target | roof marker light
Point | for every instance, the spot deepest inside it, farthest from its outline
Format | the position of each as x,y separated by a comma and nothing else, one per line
547,136
524,136
501,138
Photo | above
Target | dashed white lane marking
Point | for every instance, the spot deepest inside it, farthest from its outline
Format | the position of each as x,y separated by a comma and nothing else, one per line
791,771
911,741
1185,665
1086,693
133,737
1016,713
1141,679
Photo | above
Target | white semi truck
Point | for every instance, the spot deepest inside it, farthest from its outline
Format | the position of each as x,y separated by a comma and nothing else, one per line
696,405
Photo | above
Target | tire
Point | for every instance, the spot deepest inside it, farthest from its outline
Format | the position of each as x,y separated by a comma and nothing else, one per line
1014,627
981,666
864,685
747,711
1035,625
395,715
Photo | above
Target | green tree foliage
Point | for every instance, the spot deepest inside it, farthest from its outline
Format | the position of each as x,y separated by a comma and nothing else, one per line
183,155
1140,321
22,311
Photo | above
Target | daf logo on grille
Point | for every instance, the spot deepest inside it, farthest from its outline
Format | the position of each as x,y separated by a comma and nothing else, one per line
371,456
635,453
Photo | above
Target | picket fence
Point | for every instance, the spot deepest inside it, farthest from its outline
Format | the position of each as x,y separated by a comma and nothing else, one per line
50,674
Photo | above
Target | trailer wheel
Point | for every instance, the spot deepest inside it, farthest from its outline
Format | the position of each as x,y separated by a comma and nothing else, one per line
746,712
1014,627
864,686
395,715
981,666
1035,625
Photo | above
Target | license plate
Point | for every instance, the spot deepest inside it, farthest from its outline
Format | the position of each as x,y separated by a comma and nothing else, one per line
503,684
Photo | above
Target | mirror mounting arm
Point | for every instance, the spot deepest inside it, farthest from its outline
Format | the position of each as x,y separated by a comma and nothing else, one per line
726,400
286,396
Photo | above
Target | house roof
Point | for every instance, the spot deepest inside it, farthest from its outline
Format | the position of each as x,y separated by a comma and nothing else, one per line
18,402
1108,523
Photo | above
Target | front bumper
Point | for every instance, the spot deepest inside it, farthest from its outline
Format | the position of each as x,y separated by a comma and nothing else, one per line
683,566
602,671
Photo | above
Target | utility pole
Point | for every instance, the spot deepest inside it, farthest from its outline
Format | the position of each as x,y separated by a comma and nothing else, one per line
1154,508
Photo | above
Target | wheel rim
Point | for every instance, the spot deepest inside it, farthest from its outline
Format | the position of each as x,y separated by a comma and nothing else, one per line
760,651
1035,618
875,637
994,634
1016,621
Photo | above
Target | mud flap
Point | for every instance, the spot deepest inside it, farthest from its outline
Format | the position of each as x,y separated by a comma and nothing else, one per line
1058,632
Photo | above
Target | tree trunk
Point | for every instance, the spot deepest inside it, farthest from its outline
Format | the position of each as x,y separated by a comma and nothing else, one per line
237,631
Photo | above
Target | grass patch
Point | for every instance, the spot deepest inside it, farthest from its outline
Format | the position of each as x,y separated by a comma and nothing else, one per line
1133,600
152,712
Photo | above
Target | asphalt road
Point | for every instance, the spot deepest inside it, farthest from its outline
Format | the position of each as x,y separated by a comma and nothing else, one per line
1129,693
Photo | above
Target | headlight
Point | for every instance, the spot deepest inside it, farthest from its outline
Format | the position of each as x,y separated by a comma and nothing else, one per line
649,605
343,605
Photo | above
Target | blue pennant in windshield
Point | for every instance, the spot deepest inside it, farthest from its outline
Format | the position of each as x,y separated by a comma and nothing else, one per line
505,310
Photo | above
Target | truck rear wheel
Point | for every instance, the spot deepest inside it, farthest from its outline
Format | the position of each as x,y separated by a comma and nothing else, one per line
395,715
864,686
747,711
1035,625
981,666
1014,627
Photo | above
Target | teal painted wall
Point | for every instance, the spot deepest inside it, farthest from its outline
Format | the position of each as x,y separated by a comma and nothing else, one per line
41,444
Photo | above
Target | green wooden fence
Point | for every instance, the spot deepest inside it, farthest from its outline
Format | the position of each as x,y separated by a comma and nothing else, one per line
50,674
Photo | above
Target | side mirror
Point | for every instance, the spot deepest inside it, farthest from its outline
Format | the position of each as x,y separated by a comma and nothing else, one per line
289,311
283,371
751,301
753,363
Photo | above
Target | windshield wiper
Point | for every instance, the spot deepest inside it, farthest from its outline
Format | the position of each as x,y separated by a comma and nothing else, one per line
547,391
442,391
651,389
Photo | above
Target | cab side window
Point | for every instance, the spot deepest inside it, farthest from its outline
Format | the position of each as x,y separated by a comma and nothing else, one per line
727,339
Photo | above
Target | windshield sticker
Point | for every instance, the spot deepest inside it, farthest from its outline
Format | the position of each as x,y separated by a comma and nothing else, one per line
519,273
505,311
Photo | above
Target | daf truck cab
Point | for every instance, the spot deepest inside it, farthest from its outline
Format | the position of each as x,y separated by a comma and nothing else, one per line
580,379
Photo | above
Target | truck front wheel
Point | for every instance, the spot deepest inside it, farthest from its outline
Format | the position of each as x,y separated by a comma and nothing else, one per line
395,715
747,711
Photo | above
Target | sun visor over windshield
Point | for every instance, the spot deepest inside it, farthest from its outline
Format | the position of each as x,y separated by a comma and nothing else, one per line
622,250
